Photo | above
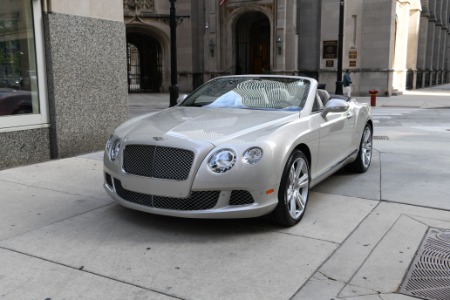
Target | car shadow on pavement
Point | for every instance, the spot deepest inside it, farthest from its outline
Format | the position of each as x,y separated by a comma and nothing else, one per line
222,228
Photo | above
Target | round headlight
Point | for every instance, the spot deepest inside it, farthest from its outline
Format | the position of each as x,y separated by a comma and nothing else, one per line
252,156
222,160
114,150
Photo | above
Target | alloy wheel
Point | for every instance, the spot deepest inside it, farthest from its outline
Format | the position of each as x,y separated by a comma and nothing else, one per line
366,147
297,187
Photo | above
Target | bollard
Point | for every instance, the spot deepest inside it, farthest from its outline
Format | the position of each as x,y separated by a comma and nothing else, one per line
373,97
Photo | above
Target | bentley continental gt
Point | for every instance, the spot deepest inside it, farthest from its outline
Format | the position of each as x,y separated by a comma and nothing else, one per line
238,147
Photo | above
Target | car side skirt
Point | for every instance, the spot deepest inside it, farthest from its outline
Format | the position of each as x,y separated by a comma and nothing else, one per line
334,168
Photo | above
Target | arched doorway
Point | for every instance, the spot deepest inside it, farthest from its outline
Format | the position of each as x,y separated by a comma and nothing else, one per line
252,33
144,58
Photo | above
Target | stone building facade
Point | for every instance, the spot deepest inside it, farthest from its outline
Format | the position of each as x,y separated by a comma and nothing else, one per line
68,66
390,45
63,86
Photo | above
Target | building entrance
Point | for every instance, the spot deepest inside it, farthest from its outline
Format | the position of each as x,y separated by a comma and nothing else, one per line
144,60
252,35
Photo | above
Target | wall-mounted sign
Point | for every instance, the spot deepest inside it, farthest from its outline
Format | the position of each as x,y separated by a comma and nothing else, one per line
353,63
330,49
352,54
329,63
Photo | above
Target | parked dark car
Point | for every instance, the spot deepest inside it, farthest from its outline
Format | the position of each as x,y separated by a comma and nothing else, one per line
13,102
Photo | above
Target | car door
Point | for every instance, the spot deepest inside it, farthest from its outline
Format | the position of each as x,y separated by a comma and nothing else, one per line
335,133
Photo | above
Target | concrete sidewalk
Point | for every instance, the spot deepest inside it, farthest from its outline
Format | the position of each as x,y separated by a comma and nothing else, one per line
62,237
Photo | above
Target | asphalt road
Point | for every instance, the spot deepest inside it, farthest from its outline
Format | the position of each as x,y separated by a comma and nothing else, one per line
62,237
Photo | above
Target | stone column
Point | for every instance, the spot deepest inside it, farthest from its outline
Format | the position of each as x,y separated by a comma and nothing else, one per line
437,42
447,56
422,45
291,38
447,64
377,46
279,45
309,52
443,50
430,43
413,43
401,45
213,62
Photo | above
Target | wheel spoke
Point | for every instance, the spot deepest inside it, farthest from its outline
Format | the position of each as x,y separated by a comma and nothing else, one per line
292,175
367,135
303,181
292,207
300,202
299,168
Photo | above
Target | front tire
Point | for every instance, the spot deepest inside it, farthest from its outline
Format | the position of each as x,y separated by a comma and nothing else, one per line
293,194
364,158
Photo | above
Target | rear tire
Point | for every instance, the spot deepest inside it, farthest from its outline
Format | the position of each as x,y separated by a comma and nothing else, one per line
293,193
364,158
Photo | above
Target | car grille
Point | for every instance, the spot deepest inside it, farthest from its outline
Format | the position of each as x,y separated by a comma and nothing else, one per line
196,201
241,198
157,162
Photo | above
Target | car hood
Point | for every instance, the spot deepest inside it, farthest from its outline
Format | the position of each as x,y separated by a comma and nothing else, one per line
210,125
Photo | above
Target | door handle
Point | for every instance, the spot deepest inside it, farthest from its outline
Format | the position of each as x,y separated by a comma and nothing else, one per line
349,116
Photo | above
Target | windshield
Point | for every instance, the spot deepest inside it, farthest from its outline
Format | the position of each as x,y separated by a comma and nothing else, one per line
272,93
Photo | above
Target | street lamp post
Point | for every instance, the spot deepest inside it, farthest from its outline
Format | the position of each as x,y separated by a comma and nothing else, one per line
339,90
173,89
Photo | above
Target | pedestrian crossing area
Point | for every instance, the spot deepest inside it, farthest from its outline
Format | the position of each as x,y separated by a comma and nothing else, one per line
381,114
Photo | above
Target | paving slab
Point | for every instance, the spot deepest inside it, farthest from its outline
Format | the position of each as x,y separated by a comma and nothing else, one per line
414,141
347,183
410,179
24,207
384,269
319,287
195,259
26,277
373,260
78,176
332,217
380,297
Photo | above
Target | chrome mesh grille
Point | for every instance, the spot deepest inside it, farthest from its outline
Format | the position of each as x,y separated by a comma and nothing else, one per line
157,162
196,201
241,198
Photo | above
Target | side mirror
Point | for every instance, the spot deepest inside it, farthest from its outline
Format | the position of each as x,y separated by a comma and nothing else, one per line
334,105
181,97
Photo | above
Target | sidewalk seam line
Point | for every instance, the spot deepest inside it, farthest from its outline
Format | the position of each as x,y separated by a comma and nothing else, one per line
49,189
90,272
371,252
334,252
55,222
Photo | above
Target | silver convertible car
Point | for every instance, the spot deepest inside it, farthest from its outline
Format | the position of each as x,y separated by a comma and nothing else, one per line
238,147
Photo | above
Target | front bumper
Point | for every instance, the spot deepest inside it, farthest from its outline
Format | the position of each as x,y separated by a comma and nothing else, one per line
211,204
